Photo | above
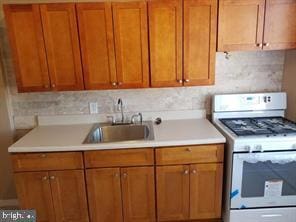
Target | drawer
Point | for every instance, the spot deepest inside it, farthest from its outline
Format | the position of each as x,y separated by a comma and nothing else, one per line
190,154
47,161
117,158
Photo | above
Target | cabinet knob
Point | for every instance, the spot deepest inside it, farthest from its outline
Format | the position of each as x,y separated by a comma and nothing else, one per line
43,155
259,45
186,172
194,171
124,175
46,86
44,178
187,80
266,44
188,149
180,81
116,174
52,177
119,83
53,85
113,83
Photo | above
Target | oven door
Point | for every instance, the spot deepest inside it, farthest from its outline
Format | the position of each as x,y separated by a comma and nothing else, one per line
263,180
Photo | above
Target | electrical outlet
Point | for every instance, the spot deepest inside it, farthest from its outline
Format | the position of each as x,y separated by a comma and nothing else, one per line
93,108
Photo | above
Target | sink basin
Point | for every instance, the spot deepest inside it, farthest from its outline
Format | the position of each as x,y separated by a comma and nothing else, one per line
106,133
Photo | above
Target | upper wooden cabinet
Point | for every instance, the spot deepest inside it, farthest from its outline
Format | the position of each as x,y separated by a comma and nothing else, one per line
240,24
280,24
62,46
165,27
182,58
257,25
200,33
27,45
131,44
97,45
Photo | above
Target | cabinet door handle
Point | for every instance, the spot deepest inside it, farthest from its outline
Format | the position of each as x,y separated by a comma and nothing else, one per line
53,85
119,83
186,172
114,83
194,171
52,177
43,155
46,86
116,174
44,178
187,80
124,175
180,81
259,45
266,44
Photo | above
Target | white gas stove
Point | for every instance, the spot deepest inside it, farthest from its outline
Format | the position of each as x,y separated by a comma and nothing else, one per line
260,157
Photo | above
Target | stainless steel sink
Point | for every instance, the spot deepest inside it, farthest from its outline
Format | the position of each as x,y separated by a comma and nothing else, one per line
106,132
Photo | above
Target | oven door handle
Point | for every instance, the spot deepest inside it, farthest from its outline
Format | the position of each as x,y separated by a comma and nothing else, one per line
271,215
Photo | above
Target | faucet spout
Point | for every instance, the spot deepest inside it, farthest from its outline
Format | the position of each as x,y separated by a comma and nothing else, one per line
120,108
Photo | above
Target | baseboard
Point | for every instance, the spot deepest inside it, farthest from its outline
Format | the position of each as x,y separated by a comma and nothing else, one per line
8,203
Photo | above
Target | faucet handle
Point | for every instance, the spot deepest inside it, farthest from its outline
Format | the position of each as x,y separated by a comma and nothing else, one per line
137,115
112,119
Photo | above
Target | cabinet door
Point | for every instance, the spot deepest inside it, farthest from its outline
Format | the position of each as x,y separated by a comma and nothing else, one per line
240,25
97,45
62,46
200,30
27,46
172,192
104,195
280,25
205,191
69,195
131,44
165,30
138,193
33,190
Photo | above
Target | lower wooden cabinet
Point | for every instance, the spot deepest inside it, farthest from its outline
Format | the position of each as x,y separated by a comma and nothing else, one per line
132,185
172,192
189,192
34,192
57,196
125,194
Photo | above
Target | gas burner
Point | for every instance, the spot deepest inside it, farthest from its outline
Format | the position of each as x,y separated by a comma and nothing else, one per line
262,126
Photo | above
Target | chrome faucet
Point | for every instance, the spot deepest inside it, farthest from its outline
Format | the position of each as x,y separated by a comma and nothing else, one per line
120,108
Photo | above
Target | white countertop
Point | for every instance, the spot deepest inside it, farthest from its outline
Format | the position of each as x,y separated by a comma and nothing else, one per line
70,137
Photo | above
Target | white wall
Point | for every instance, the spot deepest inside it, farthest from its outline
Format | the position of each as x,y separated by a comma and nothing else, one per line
289,83
7,190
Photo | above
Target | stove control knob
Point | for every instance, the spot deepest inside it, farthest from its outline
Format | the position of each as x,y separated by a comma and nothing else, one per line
258,148
294,146
247,148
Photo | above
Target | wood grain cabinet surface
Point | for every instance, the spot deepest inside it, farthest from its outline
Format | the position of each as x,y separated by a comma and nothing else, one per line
25,34
62,46
56,196
258,25
124,185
